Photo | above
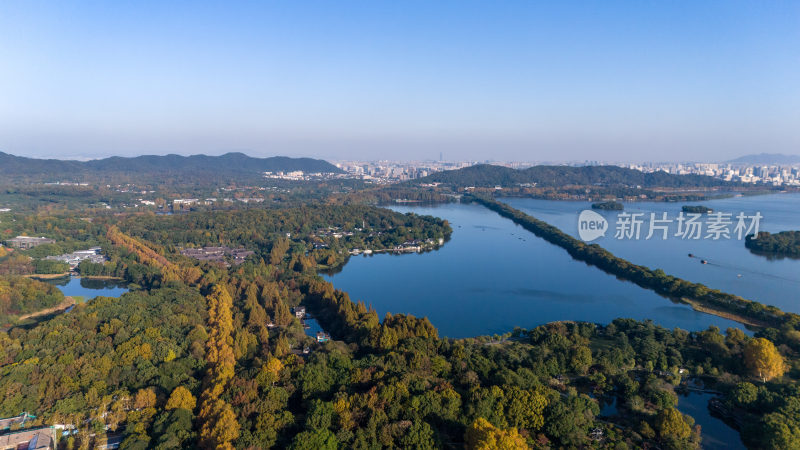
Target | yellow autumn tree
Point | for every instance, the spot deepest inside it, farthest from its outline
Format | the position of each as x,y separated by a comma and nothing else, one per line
278,251
671,424
145,398
482,435
220,427
144,253
219,352
273,369
181,398
763,359
218,421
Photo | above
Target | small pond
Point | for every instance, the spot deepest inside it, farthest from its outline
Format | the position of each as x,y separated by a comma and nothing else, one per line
88,288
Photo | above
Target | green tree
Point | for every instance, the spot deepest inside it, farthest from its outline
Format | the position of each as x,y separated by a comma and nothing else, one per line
315,440
744,393
778,432
525,408
580,359
672,425
418,436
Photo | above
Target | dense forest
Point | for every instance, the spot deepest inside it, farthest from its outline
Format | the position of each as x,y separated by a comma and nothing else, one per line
484,175
230,166
785,243
19,296
175,368
696,209
608,206
201,355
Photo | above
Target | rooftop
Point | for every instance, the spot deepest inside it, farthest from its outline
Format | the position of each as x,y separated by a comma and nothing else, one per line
31,439
19,420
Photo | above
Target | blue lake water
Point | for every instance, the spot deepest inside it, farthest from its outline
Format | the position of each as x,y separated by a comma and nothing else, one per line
493,276
717,435
313,328
89,288
731,267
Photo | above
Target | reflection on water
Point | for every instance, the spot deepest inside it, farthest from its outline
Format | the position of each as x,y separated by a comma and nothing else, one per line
88,288
715,432
773,256
731,267
312,327
493,276
608,406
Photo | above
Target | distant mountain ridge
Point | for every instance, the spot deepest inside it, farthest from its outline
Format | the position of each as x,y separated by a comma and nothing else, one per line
229,164
767,158
484,175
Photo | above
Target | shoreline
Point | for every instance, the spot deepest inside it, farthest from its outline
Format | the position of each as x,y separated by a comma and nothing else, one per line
710,301
63,306
47,276
100,277
55,276
724,314
512,195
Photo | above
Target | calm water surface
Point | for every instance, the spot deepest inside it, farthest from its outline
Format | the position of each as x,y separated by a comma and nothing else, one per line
313,328
89,288
717,435
493,276
731,267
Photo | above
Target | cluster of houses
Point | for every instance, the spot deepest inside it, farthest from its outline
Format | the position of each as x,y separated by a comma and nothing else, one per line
415,245
220,255
28,242
14,436
300,313
75,258
299,175
358,251
181,202
409,246
335,232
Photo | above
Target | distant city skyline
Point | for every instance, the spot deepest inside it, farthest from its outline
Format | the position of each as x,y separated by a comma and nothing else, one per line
511,81
752,160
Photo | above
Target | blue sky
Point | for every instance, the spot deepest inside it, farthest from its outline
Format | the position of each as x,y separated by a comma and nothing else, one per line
638,80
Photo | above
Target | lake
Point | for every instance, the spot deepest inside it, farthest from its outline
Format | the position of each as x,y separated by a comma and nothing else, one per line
717,435
88,288
492,276
313,327
730,266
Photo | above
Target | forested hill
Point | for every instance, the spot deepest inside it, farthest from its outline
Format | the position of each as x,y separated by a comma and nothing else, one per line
767,158
229,164
485,175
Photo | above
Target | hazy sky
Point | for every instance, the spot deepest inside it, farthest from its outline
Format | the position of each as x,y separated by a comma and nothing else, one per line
638,80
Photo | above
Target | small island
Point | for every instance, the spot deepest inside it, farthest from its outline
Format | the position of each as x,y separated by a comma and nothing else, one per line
608,206
696,209
785,243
